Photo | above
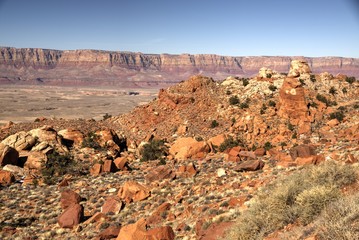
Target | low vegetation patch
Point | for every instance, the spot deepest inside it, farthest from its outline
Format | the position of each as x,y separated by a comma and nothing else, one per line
57,166
234,100
339,115
91,141
214,124
153,150
228,143
340,219
323,99
299,197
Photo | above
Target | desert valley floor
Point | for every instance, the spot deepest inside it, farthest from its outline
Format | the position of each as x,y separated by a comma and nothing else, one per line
27,102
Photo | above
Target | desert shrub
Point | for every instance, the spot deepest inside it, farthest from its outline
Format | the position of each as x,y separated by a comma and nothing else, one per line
313,200
272,87
91,141
153,150
302,83
245,81
312,78
56,166
271,103
340,219
299,196
244,105
198,138
230,142
356,106
268,75
228,92
323,99
332,90
339,115
344,90
263,108
267,146
342,108
350,80
214,124
106,116
233,100
294,135
313,104
290,126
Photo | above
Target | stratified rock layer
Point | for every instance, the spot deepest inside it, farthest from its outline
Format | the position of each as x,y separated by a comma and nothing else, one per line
89,67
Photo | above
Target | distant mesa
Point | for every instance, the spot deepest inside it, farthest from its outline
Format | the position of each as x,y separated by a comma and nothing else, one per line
129,69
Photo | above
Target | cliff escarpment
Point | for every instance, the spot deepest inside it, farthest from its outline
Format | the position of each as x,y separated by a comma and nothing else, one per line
96,67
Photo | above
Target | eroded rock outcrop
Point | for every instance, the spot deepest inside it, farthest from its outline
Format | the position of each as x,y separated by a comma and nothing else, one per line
142,68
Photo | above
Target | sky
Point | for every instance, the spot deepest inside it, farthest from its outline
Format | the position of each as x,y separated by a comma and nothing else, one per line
312,28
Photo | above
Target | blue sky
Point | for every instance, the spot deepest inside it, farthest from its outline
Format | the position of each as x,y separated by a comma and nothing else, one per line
226,27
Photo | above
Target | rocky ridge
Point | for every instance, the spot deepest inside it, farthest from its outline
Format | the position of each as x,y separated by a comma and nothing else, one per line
95,67
219,141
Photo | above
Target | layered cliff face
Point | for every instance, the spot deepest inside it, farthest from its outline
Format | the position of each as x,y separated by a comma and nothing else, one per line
86,67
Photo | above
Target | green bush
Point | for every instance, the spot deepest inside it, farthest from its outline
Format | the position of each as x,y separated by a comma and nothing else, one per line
56,166
214,124
312,78
263,108
106,116
339,115
290,126
300,196
332,90
245,81
271,103
272,87
350,80
302,83
267,146
323,99
153,150
233,100
244,105
228,143
91,141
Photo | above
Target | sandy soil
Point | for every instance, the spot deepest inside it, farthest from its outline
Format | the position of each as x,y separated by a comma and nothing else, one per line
26,103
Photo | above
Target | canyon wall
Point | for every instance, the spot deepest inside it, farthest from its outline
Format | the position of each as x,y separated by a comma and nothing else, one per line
130,69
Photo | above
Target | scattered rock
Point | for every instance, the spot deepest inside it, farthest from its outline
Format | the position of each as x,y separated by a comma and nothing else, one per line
112,205
9,155
110,232
186,171
250,165
133,191
68,198
298,67
221,172
302,151
71,216
160,173
138,231
185,148
121,163
20,141
6,177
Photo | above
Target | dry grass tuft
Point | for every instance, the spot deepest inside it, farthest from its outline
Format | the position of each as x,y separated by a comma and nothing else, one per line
300,196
